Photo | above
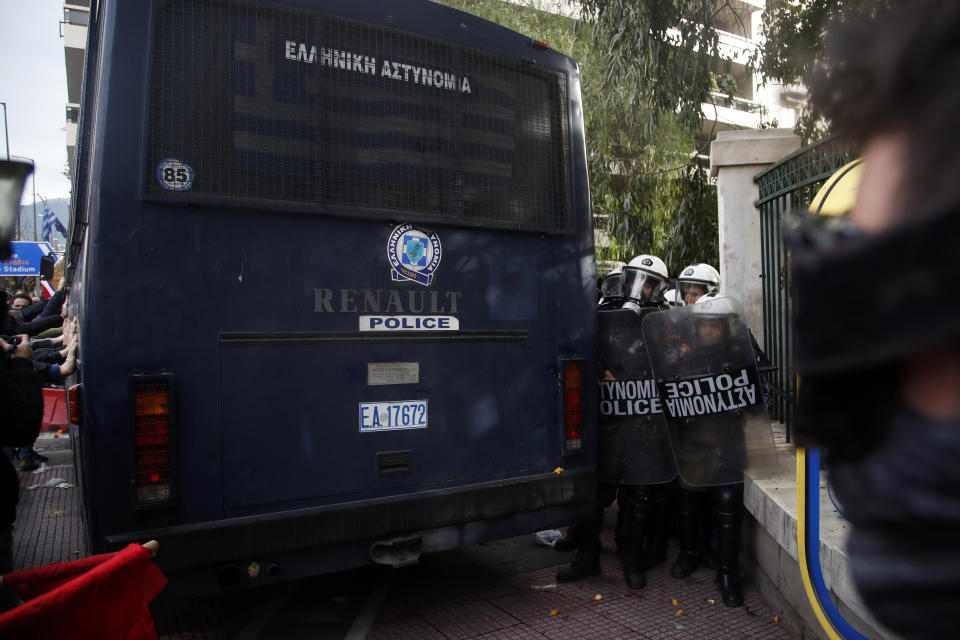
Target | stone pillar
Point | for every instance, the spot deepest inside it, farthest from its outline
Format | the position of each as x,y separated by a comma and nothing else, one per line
735,158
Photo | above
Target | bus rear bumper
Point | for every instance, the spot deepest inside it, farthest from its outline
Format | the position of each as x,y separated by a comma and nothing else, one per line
217,555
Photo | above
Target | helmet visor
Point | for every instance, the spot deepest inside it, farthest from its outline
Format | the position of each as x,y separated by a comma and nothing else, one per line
610,288
712,330
690,292
643,287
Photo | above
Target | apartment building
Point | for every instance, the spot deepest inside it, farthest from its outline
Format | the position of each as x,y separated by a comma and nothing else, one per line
73,29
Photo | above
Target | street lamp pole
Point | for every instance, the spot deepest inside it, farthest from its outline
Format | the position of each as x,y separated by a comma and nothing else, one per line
43,201
6,131
33,181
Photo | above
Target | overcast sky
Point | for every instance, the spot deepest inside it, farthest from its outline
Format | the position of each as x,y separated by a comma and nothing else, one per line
34,86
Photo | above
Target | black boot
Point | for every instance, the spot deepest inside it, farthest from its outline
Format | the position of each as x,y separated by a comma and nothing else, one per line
633,560
633,573
570,541
707,543
688,523
655,548
622,529
730,590
634,550
585,563
729,512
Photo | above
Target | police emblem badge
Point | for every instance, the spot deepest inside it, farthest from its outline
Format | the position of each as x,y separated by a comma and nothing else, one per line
414,254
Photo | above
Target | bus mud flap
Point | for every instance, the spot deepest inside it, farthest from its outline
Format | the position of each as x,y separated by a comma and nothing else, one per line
399,552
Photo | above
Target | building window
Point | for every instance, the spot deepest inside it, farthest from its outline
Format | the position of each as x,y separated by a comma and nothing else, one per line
75,16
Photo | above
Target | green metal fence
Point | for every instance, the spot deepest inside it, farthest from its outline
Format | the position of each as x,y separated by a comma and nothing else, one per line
790,183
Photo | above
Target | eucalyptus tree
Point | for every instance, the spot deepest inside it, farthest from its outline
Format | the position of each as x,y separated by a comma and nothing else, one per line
646,69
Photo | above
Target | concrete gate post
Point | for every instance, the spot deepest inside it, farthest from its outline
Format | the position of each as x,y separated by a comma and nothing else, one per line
735,158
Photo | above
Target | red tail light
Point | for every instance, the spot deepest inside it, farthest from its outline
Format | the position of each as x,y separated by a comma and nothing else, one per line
73,404
573,404
152,424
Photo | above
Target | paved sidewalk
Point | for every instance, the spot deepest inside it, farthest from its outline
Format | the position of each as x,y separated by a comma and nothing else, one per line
477,593
498,591
49,526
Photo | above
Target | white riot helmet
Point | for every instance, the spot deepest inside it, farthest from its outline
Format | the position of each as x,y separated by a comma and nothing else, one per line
672,297
721,311
697,280
644,280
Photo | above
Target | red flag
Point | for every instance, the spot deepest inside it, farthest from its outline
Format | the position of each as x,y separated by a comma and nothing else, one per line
104,596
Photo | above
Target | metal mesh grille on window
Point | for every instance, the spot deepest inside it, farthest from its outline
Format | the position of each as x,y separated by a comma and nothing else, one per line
286,106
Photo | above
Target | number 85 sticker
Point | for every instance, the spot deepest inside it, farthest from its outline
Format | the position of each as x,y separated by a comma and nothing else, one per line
174,175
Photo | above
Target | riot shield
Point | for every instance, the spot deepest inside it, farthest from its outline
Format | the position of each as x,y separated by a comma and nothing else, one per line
632,437
703,359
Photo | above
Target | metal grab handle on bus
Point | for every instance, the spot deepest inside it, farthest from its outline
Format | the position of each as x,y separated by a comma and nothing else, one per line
153,547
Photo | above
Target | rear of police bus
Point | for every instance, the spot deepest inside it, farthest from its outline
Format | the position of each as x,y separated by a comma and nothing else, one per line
334,272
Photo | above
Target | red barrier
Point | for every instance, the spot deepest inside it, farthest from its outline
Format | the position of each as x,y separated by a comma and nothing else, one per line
54,409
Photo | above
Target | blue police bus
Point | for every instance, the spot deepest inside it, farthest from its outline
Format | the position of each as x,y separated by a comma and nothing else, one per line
333,269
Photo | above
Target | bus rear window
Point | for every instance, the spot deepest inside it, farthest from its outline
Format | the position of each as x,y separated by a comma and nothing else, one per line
254,104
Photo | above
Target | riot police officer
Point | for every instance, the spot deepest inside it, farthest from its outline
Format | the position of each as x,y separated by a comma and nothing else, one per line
694,283
634,454
611,290
713,400
697,280
643,283
611,297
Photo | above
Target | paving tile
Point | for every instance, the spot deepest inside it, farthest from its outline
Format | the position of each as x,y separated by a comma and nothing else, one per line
538,579
409,628
581,624
49,526
470,620
516,632
536,605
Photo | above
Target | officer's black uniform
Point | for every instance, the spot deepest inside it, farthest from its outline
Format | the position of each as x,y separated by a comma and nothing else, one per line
704,446
634,453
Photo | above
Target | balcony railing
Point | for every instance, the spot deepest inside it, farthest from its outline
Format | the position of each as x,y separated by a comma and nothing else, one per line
740,104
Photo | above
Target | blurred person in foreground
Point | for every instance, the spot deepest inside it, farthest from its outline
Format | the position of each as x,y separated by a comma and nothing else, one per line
21,399
21,404
880,370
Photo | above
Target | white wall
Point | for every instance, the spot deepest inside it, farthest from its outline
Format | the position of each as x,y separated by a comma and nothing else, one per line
735,158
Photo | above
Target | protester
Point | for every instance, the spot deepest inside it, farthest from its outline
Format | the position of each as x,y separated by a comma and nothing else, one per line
9,325
52,365
20,301
880,365
21,402
27,311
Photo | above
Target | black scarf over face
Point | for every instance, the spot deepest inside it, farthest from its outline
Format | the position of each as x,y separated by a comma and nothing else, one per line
862,305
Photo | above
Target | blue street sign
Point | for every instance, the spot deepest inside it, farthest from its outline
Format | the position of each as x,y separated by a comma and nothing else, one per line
25,260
